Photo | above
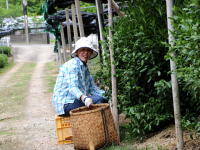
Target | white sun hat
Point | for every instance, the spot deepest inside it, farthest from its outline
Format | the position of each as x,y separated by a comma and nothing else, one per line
84,42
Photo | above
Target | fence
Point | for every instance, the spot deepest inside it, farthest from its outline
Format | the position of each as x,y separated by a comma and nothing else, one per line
5,41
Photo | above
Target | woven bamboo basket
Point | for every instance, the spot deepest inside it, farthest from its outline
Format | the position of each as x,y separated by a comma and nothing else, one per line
93,127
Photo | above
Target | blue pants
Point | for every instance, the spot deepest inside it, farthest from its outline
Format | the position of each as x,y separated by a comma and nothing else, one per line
78,103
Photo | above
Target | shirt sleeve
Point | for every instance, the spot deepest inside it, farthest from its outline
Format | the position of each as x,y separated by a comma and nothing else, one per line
73,81
94,90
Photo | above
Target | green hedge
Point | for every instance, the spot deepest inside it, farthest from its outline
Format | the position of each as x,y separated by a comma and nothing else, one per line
187,39
5,50
143,69
144,91
3,60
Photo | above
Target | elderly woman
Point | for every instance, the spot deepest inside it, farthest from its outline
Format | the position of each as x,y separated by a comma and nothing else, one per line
75,86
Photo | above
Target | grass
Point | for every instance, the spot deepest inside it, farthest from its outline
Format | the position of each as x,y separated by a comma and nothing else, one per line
6,132
13,94
131,147
6,68
51,70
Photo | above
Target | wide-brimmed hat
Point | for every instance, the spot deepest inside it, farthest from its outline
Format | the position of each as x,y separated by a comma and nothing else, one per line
84,42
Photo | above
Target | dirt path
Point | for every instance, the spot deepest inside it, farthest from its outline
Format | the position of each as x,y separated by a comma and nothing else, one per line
36,129
4,78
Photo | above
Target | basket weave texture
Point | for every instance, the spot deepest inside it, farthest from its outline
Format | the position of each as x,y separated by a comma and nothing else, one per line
93,125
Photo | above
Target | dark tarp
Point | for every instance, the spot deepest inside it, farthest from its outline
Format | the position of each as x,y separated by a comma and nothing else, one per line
6,32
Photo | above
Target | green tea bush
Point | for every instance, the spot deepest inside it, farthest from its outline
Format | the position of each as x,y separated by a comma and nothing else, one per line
144,91
3,60
5,50
145,117
187,48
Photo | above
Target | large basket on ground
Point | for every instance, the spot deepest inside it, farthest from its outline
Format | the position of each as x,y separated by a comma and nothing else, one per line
93,127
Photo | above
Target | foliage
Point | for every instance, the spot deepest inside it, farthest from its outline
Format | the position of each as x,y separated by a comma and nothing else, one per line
15,8
187,46
144,93
35,7
5,50
88,7
13,11
3,60
192,124
145,117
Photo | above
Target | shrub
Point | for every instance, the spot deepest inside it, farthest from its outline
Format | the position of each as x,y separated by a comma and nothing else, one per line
3,60
147,117
186,46
144,93
5,50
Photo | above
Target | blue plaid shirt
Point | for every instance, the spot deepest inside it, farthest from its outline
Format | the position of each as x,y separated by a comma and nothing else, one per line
73,80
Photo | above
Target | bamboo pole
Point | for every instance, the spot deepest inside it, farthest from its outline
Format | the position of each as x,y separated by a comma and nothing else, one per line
113,71
73,8
80,20
63,43
68,31
174,81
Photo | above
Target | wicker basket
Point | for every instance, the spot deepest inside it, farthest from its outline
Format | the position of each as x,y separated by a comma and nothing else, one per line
93,127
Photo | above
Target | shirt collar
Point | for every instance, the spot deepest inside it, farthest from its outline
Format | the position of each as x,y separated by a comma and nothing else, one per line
81,62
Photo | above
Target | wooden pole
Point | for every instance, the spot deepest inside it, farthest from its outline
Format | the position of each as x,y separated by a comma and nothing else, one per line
60,57
99,19
113,71
68,31
116,7
7,6
80,20
99,10
24,3
63,43
26,29
174,81
74,22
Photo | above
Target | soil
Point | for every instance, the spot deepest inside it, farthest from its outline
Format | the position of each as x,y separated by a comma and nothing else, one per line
35,130
167,139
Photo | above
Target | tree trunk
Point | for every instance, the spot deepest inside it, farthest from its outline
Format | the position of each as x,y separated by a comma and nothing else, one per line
175,90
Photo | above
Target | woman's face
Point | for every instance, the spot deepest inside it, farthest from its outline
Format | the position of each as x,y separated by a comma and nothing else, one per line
84,54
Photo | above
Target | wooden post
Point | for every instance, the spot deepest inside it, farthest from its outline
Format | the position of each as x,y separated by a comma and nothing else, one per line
74,22
60,57
63,43
7,6
80,20
24,2
116,7
113,72
99,10
99,19
68,31
175,90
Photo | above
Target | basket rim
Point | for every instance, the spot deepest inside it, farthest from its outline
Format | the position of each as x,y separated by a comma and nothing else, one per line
104,106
